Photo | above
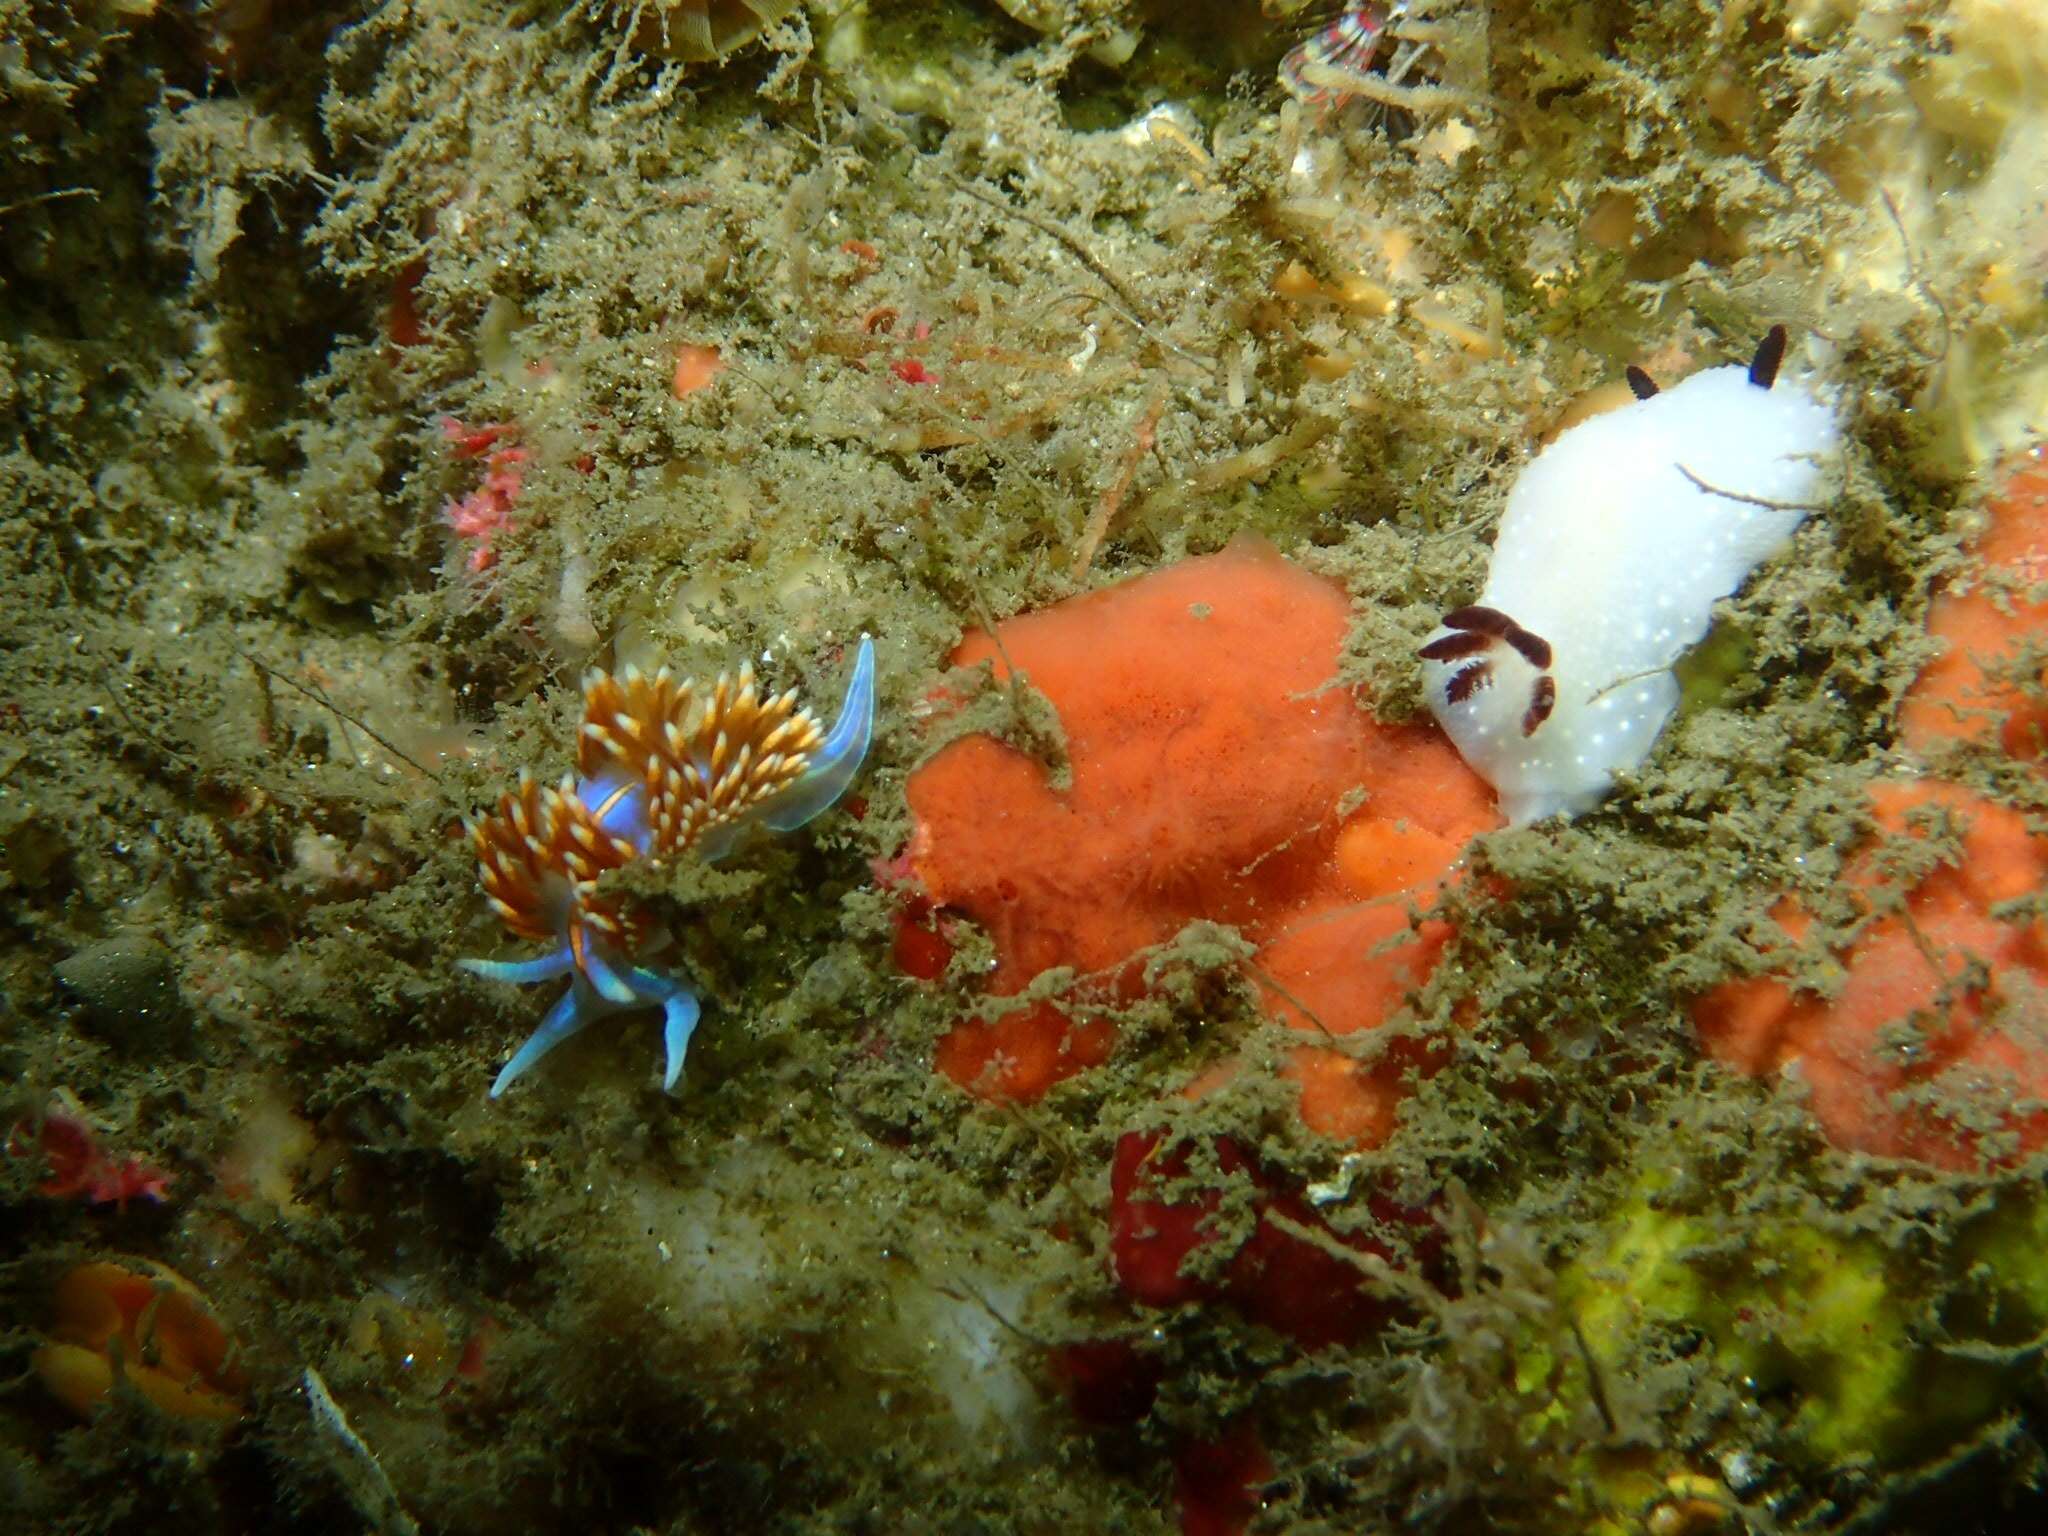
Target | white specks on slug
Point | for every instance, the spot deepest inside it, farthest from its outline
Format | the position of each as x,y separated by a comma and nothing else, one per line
1618,540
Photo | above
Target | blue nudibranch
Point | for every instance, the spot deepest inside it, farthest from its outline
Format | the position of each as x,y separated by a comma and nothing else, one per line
661,771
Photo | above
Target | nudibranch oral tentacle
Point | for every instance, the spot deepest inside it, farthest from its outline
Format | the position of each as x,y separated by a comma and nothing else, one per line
1617,541
664,770
583,1004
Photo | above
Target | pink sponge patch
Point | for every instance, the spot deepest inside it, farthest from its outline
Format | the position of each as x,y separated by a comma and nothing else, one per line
485,512
79,1168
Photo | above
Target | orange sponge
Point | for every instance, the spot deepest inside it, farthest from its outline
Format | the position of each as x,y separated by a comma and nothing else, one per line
1975,689
147,1324
1930,1045
1219,773
1926,1051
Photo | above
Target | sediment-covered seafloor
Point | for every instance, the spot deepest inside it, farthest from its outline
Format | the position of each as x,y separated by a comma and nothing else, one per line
1158,1096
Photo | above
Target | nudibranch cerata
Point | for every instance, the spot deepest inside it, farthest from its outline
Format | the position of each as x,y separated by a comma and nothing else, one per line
1617,541
661,771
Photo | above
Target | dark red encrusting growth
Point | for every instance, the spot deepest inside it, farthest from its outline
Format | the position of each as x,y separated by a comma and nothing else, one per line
920,951
1274,1278
920,948
1109,1382
472,1366
79,1169
1216,1482
403,326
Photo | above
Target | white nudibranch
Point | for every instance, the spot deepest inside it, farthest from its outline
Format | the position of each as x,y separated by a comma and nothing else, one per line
1618,540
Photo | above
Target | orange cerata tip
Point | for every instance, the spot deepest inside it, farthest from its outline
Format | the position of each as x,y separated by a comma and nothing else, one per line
144,1324
1216,774
1924,1048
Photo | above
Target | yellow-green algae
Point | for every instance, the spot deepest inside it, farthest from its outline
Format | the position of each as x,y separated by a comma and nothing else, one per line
1795,1306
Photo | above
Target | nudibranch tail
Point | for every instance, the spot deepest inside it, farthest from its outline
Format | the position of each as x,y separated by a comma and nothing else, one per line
663,770
838,758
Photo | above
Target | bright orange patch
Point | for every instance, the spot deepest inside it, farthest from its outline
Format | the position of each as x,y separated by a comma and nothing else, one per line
147,1325
1020,1055
1935,1045
1936,1039
1971,691
1213,759
696,368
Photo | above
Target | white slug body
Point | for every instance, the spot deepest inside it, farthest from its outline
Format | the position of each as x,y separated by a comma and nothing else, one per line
1618,540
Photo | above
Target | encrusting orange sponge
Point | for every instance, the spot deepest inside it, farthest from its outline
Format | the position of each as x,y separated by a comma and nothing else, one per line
145,1324
1931,1044
1220,773
1925,1050
1976,690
